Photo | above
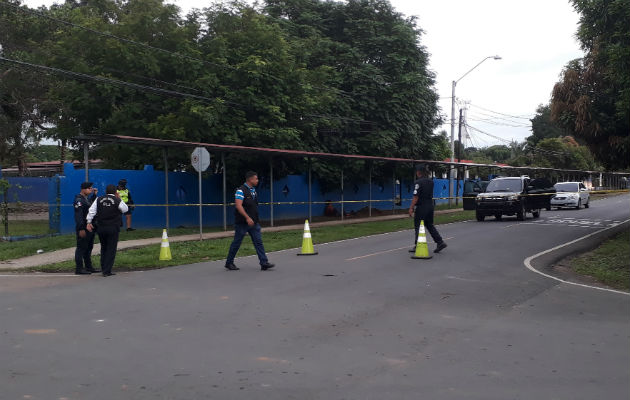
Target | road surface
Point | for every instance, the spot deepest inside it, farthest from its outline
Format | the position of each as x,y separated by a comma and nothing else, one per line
361,320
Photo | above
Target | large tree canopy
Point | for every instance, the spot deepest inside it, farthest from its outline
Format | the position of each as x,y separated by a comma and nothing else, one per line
305,74
592,99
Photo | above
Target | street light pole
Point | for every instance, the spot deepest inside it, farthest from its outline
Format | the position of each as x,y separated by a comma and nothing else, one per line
450,170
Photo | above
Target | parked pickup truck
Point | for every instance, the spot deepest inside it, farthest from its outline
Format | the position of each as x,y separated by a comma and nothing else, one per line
514,196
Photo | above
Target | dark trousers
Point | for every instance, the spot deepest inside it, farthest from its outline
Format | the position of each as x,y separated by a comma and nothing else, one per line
425,215
240,230
108,235
83,253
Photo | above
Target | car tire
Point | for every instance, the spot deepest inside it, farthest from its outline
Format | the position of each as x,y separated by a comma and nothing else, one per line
480,217
498,217
579,204
587,205
536,213
548,208
521,215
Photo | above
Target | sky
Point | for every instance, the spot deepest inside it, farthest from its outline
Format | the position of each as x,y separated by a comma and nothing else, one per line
534,38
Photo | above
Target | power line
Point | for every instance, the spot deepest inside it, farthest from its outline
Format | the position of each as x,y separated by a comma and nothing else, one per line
500,113
160,91
496,117
173,53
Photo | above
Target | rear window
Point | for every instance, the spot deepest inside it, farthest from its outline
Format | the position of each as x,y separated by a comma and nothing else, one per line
566,187
505,185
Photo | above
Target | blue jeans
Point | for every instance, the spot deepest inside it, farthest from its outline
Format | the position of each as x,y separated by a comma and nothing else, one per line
240,230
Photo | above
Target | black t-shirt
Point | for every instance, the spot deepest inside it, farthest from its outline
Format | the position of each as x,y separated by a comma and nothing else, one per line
423,188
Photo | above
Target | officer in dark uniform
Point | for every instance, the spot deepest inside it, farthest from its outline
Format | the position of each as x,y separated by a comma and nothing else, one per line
107,212
422,205
85,238
246,221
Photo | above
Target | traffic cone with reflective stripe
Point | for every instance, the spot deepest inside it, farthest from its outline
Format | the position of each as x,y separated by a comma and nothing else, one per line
165,250
307,242
422,250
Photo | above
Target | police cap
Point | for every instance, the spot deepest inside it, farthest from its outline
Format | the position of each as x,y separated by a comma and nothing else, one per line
86,185
122,182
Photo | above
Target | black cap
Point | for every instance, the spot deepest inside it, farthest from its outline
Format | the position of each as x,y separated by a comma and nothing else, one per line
122,182
86,185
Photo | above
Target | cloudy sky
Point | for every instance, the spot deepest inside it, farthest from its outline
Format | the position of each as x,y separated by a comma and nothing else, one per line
534,38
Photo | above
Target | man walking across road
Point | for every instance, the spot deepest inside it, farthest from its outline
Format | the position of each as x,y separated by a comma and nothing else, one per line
85,238
246,221
422,205
107,211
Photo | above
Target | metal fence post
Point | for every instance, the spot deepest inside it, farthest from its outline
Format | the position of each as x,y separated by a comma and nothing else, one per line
224,193
271,188
342,193
165,155
86,161
310,193
370,191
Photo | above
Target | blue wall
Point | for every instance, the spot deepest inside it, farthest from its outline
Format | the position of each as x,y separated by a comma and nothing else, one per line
147,189
28,190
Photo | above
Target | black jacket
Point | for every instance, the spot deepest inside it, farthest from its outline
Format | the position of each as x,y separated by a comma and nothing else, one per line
81,208
250,205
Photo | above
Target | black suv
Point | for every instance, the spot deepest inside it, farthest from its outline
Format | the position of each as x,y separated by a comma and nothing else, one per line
514,196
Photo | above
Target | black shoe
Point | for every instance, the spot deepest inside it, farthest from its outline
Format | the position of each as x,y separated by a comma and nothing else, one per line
130,229
231,267
93,271
441,246
82,272
108,273
266,266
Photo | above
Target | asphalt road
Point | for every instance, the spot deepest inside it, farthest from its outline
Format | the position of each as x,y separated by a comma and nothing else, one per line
359,321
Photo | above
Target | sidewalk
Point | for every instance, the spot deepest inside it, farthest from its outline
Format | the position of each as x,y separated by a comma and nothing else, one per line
68,254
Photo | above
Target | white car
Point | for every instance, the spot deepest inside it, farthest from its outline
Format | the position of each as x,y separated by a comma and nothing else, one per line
570,194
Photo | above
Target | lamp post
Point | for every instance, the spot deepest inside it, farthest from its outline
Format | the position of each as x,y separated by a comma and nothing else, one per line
450,170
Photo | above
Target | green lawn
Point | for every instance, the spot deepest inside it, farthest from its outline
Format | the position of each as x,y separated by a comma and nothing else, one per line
21,228
216,249
23,248
609,263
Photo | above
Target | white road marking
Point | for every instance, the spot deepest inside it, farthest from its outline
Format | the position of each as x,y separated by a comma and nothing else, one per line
383,252
529,266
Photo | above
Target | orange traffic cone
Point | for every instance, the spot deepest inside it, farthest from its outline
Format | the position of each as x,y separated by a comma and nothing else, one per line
307,242
422,250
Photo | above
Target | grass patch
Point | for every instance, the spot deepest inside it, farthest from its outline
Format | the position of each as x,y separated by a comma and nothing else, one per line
216,249
27,227
609,263
24,248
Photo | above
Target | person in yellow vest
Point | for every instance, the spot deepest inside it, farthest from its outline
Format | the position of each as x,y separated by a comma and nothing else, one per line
125,196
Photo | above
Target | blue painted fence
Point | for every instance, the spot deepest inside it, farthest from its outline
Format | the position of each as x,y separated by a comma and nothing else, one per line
147,189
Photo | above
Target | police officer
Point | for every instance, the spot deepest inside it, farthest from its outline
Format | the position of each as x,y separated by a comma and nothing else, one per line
85,238
107,211
246,221
125,196
422,205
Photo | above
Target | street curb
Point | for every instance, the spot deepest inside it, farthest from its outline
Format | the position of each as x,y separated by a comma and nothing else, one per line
542,263
68,253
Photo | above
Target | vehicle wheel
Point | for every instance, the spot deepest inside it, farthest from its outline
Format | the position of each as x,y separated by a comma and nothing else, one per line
480,217
520,215
548,208
536,213
587,205
579,204
498,217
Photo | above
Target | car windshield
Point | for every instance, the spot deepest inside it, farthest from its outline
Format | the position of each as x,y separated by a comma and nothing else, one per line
566,187
505,185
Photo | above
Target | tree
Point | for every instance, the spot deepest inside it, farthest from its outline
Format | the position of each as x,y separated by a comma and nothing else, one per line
543,127
592,98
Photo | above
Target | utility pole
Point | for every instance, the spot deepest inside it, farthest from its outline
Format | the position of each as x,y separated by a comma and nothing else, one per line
459,156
